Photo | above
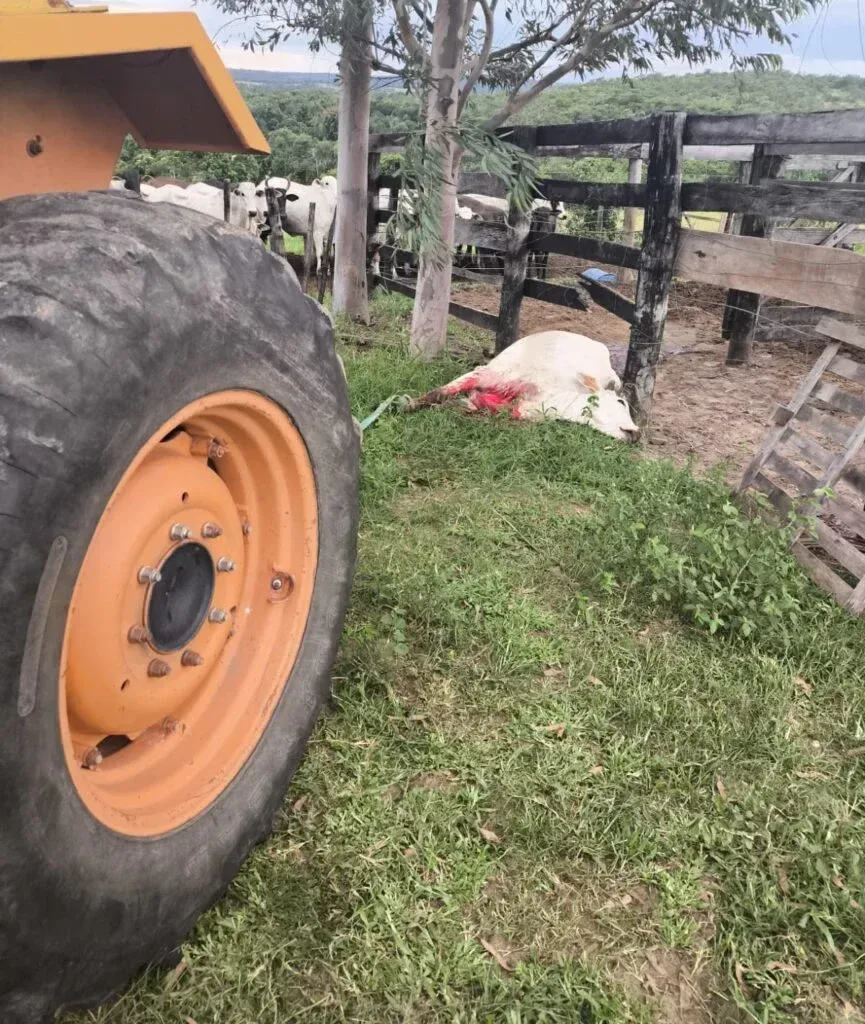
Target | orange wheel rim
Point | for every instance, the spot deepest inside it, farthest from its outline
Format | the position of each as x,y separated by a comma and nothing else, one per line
188,612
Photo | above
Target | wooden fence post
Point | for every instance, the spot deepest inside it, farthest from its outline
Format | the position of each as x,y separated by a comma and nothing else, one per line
516,265
277,245
661,227
743,308
373,169
308,248
326,262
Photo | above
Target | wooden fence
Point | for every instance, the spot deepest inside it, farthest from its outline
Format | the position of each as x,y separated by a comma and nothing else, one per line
751,263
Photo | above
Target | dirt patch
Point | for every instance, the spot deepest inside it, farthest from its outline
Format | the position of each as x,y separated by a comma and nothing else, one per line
705,412
677,984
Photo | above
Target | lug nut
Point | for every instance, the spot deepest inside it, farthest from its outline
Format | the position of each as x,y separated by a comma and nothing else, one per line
137,635
211,447
191,659
217,615
277,583
246,526
211,530
91,758
225,565
147,574
179,532
158,669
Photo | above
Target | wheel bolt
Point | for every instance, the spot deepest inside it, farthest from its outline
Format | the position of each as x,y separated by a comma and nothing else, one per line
225,565
179,532
217,615
191,659
147,574
211,530
158,669
91,758
137,635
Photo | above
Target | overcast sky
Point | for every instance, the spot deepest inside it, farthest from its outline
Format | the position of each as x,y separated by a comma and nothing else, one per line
832,42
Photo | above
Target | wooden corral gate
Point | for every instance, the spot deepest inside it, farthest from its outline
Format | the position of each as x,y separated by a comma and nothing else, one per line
751,263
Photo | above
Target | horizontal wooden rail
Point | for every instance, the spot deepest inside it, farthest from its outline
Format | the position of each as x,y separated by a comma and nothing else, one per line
612,301
557,294
808,274
832,131
613,253
477,317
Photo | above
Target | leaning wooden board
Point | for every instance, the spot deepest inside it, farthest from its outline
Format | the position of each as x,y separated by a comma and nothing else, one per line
834,557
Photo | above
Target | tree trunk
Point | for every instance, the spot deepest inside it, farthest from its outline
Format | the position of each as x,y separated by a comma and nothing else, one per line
350,237
430,316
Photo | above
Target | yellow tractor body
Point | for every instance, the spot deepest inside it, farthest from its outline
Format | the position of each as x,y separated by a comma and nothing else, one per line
75,82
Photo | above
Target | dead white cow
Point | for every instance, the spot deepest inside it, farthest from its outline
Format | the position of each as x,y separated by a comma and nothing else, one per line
554,374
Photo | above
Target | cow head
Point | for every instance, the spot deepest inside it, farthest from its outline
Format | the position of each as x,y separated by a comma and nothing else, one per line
608,412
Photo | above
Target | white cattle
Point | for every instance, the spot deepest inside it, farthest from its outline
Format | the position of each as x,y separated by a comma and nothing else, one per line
294,201
553,373
492,208
203,198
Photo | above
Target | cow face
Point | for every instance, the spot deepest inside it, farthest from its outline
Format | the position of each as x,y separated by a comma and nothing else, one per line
609,413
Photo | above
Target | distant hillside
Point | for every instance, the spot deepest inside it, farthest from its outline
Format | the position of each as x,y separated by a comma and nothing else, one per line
299,80
708,92
298,114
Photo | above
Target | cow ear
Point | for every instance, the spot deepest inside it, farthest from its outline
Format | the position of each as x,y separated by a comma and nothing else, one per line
588,382
292,197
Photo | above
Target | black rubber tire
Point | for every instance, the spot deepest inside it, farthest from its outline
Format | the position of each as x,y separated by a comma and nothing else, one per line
113,315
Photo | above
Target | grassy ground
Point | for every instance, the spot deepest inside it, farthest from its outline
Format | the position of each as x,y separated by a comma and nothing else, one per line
547,790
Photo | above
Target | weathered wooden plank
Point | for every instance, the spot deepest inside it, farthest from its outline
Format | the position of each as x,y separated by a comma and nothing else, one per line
840,549
613,301
852,518
778,130
308,249
841,401
743,307
804,482
849,369
515,269
822,575
824,424
816,454
813,236
557,294
657,259
594,133
841,150
807,274
839,330
779,498
274,221
592,193
778,433
840,234
612,253
478,317
817,161
856,601
811,200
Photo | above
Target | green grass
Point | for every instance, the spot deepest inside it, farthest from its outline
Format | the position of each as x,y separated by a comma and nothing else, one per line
545,792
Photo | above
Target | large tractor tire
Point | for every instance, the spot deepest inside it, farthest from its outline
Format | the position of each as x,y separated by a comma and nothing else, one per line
178,510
